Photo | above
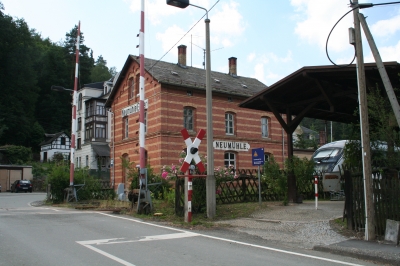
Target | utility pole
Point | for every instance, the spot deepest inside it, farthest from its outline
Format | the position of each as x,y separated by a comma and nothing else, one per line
381,68
365,139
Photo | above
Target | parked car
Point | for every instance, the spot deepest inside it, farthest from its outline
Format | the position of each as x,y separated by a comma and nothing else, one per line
21,185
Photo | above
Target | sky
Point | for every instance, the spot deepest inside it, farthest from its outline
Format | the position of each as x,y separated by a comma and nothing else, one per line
270,39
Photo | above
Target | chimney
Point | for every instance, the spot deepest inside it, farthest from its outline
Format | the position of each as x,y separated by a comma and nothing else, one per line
182,55
232,66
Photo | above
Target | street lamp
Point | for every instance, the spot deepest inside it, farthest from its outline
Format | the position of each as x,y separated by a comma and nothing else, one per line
73,133
210,181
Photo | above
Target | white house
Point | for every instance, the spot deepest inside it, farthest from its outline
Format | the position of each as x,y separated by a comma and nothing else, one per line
93,135
58,143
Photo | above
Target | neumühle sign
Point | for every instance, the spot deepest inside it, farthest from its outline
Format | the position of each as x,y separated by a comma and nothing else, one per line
231,145
134,108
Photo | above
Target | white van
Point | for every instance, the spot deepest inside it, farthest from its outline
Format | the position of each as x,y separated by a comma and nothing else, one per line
328,160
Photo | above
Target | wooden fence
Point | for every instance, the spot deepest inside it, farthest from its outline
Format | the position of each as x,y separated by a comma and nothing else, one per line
386,200
242,189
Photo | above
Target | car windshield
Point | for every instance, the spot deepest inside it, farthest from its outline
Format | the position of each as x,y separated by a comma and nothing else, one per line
328,155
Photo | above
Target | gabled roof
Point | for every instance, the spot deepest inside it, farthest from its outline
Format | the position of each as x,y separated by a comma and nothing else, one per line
95,85
49,138
192,77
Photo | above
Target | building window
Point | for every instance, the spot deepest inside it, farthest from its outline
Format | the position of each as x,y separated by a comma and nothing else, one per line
188,118
126,128
80,101
230,159
77,162
79,127
78,143
264,127
230,99
100,131
89,109
145,121
62,140
229,123
137,81
266,157
131,89
100,110
87,160
189,93
89,132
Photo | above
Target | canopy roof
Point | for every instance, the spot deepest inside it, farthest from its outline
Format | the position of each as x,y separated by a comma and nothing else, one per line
321,92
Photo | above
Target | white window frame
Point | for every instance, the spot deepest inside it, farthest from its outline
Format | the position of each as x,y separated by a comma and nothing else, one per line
229,124
264,127
126,127
188,119
231,160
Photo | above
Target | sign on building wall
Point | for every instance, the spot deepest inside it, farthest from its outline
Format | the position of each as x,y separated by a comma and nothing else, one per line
134,108
231,145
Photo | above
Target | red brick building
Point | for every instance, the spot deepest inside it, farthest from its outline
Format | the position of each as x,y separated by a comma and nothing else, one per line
175,98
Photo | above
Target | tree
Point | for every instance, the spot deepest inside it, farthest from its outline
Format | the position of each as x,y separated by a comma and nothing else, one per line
100,71
86,61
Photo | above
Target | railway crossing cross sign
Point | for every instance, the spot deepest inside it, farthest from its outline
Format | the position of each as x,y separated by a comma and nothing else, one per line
192,150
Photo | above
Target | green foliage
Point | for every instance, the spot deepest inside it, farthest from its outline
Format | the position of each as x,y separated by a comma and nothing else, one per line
59,180
17,154
303,168
274,178
305,143
40,170
100,71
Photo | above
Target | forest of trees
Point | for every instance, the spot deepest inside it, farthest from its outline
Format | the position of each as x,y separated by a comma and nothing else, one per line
30,65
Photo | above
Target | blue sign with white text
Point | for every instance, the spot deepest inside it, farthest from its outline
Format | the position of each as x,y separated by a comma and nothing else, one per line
257,156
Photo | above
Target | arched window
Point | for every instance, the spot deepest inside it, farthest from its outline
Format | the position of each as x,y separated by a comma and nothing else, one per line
125,169
230,159
188,118
80,101
131,89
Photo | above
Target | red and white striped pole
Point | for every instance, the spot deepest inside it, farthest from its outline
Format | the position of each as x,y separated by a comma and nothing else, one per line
73,126
190,190
141,98
316,191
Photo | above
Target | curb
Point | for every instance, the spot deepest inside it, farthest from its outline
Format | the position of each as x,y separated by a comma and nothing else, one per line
359,254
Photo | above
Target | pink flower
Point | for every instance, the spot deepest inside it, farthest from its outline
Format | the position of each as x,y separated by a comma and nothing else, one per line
164,166
181,160
173,167
236,176
164,174
218,191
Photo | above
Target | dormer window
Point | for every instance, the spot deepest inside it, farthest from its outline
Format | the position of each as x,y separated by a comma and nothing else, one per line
244,86
174,73
217,80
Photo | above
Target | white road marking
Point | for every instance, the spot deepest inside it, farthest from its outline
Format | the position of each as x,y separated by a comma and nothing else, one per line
238,242
88,244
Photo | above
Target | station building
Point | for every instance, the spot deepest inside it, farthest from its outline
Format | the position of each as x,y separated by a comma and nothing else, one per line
175,98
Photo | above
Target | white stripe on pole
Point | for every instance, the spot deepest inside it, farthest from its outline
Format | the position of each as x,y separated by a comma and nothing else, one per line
141,92
73,126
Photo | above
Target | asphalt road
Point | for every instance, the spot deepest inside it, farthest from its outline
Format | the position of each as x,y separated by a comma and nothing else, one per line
57,236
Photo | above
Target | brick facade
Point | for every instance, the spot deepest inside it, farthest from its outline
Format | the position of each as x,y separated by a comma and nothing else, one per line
163,140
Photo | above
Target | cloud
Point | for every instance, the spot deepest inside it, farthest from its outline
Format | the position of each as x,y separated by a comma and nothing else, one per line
316,19
386,27
259,72
251,57
155,10
388,53
167,41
